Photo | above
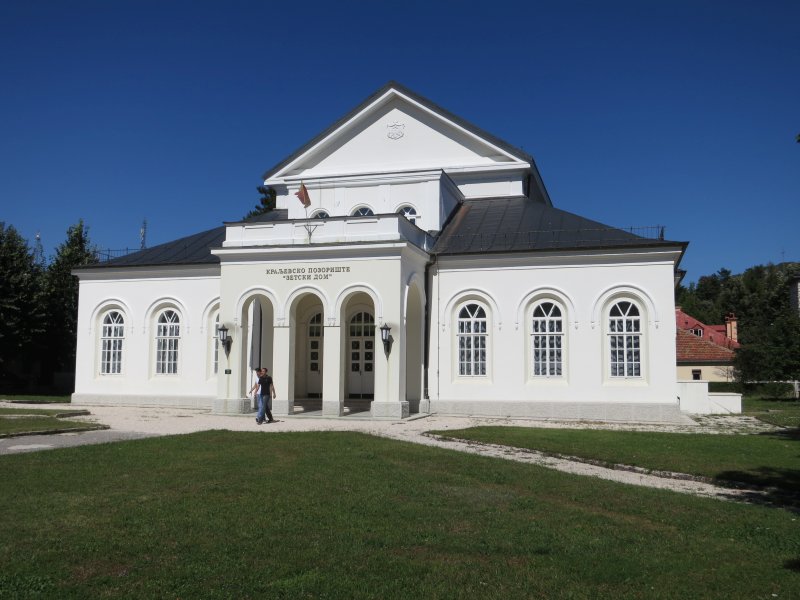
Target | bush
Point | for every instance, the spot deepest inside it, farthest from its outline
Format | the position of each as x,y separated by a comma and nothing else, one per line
733,387
770,389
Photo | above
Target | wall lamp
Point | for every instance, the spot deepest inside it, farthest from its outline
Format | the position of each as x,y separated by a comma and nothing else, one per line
386,338
225,339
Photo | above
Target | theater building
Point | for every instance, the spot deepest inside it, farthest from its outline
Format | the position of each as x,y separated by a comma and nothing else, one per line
405,217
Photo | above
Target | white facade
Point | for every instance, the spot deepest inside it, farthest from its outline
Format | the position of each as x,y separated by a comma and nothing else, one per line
531,331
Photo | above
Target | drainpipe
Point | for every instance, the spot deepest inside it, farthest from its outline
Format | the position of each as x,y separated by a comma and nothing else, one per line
427,333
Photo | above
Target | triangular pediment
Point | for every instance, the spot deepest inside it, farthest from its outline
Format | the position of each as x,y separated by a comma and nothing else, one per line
393,131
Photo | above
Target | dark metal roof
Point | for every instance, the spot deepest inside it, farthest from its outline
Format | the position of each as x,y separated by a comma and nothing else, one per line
276,214
521,224
190,250
521,154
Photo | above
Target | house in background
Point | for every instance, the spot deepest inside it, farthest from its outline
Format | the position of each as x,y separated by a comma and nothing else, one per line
705,352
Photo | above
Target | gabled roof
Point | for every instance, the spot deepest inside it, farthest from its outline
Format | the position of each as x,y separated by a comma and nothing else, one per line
521,224
716,334
691,349
393,85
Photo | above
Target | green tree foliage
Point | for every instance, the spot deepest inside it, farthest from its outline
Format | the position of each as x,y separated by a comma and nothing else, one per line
769,330
21,312
62,296
265,204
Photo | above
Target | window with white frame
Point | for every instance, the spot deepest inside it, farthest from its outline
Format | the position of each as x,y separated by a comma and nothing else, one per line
547,340
625,340
472,339
409,212
112,339
321,214
168,335
363,211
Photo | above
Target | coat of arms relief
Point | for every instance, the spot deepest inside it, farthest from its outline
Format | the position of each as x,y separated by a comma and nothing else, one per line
395,130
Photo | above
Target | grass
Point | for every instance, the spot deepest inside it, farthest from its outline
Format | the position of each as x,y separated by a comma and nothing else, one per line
345,515
760,460
777,411
22,421
34,399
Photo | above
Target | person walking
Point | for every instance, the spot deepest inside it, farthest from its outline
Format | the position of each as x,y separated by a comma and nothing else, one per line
266,392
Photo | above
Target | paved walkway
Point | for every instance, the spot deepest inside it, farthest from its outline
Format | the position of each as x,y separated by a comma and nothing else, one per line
131,423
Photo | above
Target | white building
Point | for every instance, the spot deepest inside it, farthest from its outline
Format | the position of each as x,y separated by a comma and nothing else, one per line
498,303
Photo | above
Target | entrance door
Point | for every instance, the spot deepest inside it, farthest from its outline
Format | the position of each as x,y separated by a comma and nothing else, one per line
361,344
314,356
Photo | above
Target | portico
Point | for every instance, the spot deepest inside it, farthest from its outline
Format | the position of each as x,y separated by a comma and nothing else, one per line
312,316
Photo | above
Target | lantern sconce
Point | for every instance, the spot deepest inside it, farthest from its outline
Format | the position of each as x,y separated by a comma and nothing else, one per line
224,339
386,338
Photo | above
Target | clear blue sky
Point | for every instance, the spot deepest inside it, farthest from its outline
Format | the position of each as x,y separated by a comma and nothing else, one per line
676,113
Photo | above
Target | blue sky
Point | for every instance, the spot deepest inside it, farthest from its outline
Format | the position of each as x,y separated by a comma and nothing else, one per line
678,113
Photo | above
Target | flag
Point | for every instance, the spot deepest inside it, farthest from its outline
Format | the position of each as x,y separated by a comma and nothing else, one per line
303,195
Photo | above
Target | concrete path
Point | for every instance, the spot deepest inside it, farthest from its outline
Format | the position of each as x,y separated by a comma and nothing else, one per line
132,423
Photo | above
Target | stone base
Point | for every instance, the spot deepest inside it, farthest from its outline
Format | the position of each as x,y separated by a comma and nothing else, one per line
282,407
231,406
564,411
332,409
391,410
195,402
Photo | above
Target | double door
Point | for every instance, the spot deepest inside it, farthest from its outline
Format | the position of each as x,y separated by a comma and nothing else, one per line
361,353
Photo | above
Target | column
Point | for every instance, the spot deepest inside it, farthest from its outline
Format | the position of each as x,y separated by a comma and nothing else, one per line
283,370
332,380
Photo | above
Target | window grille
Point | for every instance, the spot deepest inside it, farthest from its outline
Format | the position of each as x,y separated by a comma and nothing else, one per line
472,341
168,334
624,338
113,336
547,340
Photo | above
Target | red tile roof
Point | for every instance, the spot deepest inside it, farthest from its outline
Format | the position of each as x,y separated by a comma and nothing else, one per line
712,333
695,350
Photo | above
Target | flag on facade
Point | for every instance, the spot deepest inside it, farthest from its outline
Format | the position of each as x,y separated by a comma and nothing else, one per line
305,200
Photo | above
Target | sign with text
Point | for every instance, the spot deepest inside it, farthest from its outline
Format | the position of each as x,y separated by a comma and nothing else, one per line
308,273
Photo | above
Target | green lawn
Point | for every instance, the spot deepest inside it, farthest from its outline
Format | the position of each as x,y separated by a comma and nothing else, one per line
778,411
762,460
345,515
34,399
16,421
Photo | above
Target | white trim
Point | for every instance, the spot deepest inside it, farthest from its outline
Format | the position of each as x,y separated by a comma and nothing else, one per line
463,296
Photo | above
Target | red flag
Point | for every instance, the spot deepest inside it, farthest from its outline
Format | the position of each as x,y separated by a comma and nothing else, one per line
305,200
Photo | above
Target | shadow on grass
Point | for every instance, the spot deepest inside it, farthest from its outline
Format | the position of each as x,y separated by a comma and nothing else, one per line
772,486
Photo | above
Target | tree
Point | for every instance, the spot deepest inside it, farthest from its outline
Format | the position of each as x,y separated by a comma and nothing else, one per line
266,202
21,315
62,296
768,327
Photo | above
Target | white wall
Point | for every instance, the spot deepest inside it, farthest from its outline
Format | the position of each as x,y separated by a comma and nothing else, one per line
583,287
695,399
139,299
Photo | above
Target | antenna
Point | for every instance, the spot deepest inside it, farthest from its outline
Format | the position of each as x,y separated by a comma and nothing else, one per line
143,235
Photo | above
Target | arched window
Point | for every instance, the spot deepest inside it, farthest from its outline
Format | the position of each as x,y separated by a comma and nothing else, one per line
625,340
472,333
409,212
321,214
168,335
547,340
363,212
112,338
